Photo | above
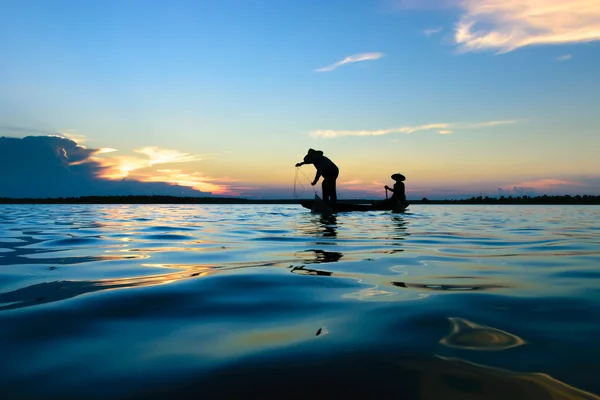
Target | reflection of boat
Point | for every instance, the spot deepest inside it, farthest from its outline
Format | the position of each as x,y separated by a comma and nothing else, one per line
319,256
307,271
319,206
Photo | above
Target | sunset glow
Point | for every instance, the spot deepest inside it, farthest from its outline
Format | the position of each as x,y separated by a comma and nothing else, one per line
464,97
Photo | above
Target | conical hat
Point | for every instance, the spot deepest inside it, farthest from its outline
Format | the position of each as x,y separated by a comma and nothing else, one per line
398,177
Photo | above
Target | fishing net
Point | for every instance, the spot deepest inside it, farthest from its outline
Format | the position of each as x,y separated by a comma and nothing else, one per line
300,191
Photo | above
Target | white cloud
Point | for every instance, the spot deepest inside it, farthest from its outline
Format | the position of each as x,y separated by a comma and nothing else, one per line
506,25
489,124
105,150
405,129
443,129
351,59
432,31
565,57
164,156
69,134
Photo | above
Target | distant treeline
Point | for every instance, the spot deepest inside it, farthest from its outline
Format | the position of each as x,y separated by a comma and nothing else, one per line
143,200
545,199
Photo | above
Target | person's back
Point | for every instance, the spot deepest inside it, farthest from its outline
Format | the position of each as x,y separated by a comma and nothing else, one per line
399,192
322,163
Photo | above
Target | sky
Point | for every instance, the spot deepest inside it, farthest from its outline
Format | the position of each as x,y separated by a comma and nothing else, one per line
224,97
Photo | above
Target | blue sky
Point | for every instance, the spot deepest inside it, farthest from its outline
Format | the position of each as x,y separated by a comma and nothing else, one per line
236,86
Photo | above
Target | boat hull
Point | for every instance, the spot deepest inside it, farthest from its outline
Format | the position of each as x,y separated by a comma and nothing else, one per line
321,207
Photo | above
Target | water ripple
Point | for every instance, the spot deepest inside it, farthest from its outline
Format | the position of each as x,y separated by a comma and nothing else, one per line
438,302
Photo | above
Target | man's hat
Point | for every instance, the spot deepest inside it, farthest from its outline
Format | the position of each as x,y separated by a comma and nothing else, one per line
398,177
312,154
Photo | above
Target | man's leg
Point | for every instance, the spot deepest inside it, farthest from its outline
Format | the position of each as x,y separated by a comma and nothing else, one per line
333,191
325,187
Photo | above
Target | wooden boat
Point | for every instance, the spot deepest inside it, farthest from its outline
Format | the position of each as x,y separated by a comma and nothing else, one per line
321,207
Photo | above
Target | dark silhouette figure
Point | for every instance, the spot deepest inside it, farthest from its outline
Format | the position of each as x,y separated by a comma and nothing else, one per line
398,191
325,168
398,198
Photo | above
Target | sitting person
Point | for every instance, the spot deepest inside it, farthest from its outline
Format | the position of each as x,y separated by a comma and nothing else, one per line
326,168
399,195
398,199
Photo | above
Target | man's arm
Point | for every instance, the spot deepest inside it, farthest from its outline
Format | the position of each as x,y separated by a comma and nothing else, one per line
316,178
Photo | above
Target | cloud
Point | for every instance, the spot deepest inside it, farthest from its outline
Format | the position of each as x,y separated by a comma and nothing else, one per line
506,25
53,166
351,59
547,183
543,184
106,150
77,138
406,129
432,31
121,167
565,57
192,179
552,186
490,124
443,129
164,156
351,183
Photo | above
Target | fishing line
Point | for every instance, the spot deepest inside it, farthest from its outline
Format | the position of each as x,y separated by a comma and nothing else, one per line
314,190
297,182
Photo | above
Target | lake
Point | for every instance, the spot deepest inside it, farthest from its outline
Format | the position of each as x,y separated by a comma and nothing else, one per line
271,301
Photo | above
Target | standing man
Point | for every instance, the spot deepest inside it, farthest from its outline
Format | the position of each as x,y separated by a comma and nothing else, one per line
325,168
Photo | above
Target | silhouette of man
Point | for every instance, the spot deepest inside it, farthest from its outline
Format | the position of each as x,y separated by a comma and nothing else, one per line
325,168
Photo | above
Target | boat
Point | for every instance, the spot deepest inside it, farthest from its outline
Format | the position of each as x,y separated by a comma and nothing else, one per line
321,207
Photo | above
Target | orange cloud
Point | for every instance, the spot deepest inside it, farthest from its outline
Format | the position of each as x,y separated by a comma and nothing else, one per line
194,179
506,25
351,183
140,169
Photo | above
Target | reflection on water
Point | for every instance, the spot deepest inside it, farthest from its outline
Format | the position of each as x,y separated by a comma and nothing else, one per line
457,379
308,271
471,336
134,301
317,256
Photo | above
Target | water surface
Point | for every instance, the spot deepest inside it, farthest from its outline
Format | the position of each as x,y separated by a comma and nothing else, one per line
203,301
